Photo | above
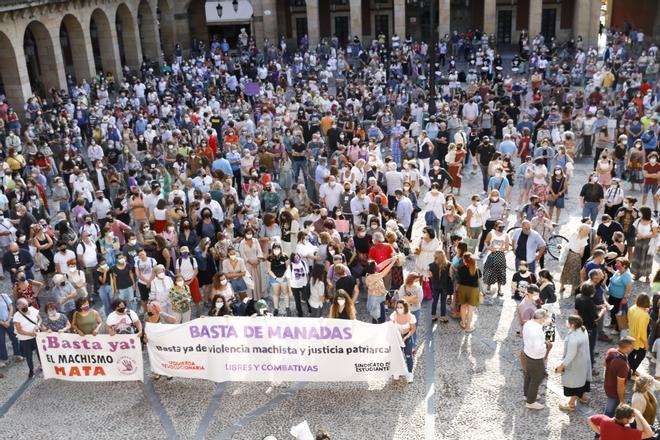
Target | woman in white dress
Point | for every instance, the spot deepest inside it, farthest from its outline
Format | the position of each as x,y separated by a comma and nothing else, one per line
425,251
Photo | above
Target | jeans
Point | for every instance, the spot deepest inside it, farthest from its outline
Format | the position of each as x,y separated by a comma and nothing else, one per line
27,347
407,352
591,210
484,176
299,168
635,358
297,297
619,168
105,293
416,314
441,295
128,296
616,303
534,374
593,337
3,342
611,406
382,317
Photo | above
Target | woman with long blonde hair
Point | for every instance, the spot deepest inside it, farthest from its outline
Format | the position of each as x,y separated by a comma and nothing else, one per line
467,288
441,284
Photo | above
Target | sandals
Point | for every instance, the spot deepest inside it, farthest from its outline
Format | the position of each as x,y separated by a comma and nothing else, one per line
444,319
463,325
585,401
566,408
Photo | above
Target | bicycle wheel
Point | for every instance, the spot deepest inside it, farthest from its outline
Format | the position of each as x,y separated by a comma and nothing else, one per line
555,245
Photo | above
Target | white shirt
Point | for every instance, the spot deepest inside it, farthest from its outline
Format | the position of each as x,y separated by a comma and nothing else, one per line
330,195
160,290
26,325
101,208
534,340
60,260
435,203
87,252
216,209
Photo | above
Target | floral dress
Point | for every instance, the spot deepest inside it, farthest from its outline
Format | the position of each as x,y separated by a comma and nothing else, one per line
181,300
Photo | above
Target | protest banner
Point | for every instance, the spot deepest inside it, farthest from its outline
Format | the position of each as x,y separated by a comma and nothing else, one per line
231,349
101,358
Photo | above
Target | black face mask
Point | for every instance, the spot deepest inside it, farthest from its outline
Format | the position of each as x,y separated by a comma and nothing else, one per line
121,309
24,309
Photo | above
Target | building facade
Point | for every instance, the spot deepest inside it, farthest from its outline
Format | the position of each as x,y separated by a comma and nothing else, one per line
44,41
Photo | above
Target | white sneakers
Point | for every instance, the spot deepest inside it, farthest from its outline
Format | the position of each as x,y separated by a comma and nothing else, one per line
534,405
410,377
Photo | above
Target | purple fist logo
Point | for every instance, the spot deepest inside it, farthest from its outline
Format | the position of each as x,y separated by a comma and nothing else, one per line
126,366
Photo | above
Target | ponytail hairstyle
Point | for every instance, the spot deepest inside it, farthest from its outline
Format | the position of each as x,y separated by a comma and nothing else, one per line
470,262
576,322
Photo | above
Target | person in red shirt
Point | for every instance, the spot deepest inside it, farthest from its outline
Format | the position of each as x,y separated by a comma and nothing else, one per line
616,374
618,428
651,172
380,251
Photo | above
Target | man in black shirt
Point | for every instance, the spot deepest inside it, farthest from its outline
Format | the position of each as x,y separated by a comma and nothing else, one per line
591,198
485,152
298,159
590,314
606,230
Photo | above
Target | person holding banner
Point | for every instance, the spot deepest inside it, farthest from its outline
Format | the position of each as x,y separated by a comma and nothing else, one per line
180,300
160,288
27,322
219,306
406,323
86,321
55,321
342,306
279,278
123,321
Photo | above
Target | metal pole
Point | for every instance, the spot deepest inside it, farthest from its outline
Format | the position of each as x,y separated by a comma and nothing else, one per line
432,20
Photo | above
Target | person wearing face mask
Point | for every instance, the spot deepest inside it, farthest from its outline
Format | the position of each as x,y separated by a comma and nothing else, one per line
123,282
55,321
592,197
643,397
27,322
651,172
614,197
406,323
342,306
104,285
219,306
626,216
85,321
279,278
497,243
180,300
187,266
123,321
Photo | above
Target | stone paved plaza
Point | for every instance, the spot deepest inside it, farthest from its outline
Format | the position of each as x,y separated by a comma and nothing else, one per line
466,387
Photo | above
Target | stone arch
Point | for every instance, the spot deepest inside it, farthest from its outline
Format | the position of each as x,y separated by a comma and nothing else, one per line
14,80
166,28
149,40
78,59
106,53
196,13
128,37
40,58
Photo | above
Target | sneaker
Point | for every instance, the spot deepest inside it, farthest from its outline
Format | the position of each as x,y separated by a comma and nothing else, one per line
19,358
3,364
410,377
534,405
566,408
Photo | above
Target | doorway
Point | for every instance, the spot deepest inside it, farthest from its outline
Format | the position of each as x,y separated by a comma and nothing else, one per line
504,27
548,23
382,26
228,31
341,29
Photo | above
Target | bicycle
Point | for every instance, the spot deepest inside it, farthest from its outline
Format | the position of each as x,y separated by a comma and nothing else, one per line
554,247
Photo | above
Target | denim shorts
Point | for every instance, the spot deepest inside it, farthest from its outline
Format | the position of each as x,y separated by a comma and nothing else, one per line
652,187
272,281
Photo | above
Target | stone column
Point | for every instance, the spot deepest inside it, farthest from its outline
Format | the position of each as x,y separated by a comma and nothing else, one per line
581,20
356,19
490,17
444,8
132,45
270,20
400,19
535,14
110,57
51,62
83,54
15,77
313,31
150,38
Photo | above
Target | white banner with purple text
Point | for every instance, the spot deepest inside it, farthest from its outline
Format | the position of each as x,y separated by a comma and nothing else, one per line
242,349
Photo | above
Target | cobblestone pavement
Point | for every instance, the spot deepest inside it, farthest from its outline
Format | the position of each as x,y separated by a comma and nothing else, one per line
466,387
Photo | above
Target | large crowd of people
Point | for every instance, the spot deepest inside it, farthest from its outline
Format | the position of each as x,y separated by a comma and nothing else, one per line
246,180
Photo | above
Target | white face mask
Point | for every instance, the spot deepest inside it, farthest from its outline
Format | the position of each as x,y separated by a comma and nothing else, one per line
223,282
132,242
161,276
180,283
400,310
219,305
653,161
341,302
276,251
